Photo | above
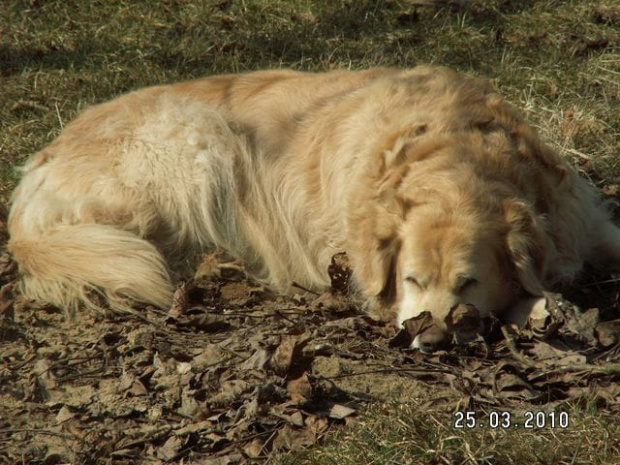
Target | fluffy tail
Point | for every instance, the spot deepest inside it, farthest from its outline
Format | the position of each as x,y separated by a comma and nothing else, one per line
65,264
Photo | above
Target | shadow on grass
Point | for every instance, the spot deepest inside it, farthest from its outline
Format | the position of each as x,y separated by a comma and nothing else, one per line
378,32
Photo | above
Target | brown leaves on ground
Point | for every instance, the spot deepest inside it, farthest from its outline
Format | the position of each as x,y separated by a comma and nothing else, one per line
233,374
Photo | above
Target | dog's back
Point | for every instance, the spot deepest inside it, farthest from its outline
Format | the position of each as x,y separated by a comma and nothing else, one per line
150,179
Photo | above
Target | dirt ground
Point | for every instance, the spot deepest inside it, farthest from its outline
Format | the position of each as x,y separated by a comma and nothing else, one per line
232,373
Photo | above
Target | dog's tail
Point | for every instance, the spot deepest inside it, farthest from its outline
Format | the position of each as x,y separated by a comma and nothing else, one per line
67,260
65,265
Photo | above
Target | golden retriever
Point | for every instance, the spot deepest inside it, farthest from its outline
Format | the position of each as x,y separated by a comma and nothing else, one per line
436,188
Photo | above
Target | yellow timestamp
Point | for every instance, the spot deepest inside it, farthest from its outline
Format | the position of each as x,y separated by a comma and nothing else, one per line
506,420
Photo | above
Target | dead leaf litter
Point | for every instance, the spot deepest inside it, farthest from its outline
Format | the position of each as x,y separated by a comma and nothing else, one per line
232,373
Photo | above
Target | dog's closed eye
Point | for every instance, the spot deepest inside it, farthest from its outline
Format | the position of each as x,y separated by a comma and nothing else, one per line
412,280
464,283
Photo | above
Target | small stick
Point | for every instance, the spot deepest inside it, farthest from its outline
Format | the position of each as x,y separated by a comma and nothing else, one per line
512,346
299,286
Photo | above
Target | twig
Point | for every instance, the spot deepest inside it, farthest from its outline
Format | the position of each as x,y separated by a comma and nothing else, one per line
605,369
151,435
36,431
512,346
426,372
299,286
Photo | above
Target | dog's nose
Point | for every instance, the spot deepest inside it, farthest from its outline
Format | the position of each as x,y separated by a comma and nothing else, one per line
430,340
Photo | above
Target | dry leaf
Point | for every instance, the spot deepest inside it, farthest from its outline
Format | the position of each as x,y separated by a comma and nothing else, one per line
331,302
300,389
290,437
184,368
583,325
513,386
296,419
214,265
289,349
463,317
340,412
130,384
257,360
210,356
610,190
230,391
411,328
179,301
169,450
254,449
608,332
44,373
189,405
64,414
339,272
465,323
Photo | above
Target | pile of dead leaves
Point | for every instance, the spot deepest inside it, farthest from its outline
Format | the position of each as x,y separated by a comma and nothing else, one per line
232,373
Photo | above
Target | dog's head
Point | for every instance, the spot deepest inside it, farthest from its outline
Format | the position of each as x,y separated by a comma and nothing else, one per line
454,256
453,207
458,241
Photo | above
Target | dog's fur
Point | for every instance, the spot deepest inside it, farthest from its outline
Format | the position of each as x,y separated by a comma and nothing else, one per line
437,190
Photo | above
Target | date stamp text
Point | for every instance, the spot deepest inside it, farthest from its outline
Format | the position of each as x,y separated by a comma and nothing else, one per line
507,420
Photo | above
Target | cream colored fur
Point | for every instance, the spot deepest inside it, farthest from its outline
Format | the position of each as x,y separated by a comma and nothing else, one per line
434,186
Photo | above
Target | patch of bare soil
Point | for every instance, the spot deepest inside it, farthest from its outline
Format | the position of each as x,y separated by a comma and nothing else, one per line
232,373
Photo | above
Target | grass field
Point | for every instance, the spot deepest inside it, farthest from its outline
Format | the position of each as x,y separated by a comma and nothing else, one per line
557,60
410,433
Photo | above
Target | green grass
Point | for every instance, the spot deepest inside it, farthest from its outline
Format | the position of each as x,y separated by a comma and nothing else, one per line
557,60
411,432
551,58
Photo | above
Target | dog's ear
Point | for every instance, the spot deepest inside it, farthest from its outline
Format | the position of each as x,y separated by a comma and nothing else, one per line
375,247
526,246
377,276
381,270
